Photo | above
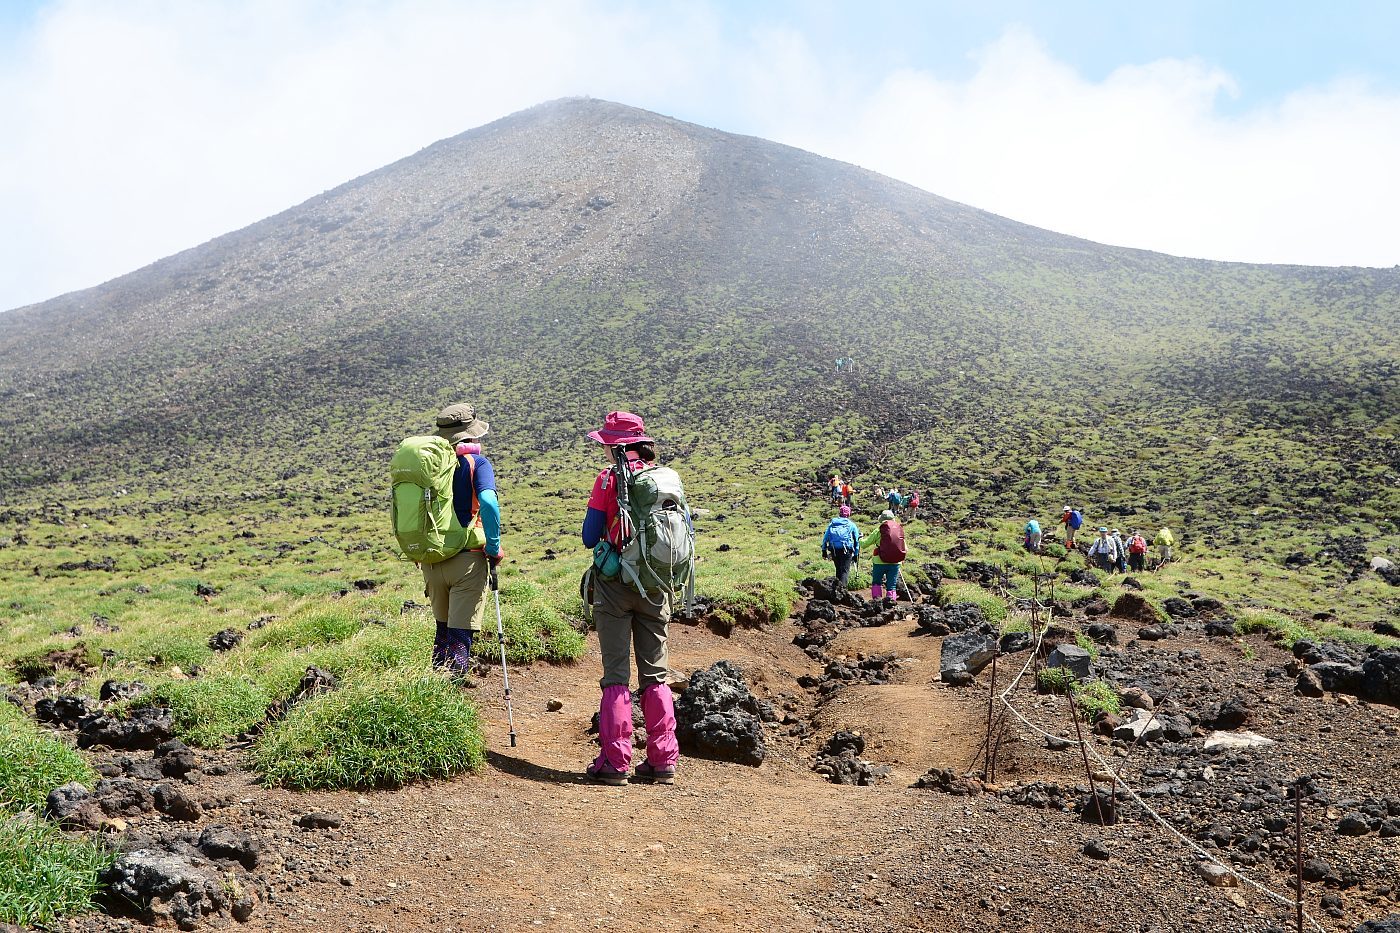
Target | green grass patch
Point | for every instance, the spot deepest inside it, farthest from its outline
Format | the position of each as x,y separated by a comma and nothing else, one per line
1088,644
320,625
1097,696
958,591
1054,680
383,732
44,873
209,710
32,762
536,628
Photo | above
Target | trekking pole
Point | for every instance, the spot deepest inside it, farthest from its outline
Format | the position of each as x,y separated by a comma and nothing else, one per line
501,637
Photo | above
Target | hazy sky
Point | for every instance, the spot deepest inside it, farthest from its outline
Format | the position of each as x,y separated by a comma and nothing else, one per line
1268,131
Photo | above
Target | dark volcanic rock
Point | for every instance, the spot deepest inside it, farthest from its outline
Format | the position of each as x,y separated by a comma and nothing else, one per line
145,729
717,717
161,887
1178,608
967,652
1084,577
73,806
117,690
1221,628
64,711
226,640
1338,677
1103,633
313,683
839,761
1231,714
176,759
220,842
1309,684
1381,683
319,821
176,803
1073,658
1387,924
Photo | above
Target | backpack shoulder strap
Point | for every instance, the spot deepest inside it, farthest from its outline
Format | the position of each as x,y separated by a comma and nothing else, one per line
471,486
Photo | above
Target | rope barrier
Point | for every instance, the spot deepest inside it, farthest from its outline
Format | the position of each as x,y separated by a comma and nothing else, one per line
1088,746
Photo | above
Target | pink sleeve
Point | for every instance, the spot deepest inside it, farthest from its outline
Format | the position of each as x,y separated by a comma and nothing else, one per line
603,494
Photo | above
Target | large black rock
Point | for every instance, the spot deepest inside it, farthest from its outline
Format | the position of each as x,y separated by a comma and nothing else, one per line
1381,683
717,717
145,729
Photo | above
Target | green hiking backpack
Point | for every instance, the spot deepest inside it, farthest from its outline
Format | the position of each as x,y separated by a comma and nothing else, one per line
657,554
658,549
424,522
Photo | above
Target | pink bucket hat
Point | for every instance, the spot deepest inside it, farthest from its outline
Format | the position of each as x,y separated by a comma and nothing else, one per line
845,511
621,427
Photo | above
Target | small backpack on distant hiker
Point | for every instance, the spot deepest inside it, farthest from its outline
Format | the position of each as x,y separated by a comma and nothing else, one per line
424,522
1076,520
891,549
1137,545
840,537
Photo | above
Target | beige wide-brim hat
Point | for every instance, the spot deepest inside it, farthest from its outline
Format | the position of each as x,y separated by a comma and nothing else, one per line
459,423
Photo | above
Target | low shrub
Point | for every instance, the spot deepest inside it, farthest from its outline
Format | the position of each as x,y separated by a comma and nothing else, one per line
381,732
535,629
32,762
1054,679
45,874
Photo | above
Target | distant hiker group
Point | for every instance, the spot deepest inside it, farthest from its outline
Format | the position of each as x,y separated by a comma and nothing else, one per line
1111,550
842,544
446,518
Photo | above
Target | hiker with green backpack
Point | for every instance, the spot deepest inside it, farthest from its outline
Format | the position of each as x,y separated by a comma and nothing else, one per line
638,524
447,519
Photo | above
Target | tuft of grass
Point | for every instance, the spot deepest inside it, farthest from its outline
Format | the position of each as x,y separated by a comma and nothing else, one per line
44,873
536,629
1088,644
320,625
32,762
1054,680
209,710
1097,696
958,591
382,732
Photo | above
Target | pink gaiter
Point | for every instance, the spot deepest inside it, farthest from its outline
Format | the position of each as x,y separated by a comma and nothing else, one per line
615,728
877,591
660,713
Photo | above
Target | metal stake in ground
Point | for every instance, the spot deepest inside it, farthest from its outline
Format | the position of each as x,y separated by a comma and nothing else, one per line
1088,772
988,770
501,637
1298,848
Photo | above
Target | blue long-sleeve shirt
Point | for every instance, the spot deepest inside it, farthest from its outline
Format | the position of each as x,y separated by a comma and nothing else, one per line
485,482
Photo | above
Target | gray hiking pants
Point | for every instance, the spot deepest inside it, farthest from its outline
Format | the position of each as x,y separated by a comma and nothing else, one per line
629,622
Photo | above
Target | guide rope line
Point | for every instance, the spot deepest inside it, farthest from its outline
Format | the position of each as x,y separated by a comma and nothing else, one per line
1088,746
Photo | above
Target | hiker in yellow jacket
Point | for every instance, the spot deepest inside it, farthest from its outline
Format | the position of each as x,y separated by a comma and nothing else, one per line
1164,542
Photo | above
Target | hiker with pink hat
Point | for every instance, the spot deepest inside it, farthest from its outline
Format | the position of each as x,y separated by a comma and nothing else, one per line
629,620
841,545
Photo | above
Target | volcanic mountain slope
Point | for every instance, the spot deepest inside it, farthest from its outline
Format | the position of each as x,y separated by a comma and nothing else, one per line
583,254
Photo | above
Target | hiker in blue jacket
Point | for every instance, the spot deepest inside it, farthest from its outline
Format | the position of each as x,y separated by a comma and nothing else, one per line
841,545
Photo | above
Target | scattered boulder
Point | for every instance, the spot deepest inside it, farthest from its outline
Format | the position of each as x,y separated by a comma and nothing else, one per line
118,690
1136,698
1230,714
176,759
73,807
146,728
319,821
1073,658
1096,607
1221,628
176,804
840,762
222,843
1135,608
1102,633
1178,608
123,797
1236,740
949,782
162,888
1153,633
1084,577
1381,680
65,711
1353,824
1387,924
1139,726
225,640
1339,677
1095,850
717,717
1206,604
1217,875
967,652
1132,583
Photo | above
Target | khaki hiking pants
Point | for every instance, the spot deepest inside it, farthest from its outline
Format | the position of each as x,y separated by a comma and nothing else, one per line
456,587
629,622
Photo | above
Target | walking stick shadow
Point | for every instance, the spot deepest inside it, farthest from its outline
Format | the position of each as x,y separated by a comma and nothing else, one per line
519,767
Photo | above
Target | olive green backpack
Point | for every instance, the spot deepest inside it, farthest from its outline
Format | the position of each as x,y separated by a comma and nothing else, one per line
425,524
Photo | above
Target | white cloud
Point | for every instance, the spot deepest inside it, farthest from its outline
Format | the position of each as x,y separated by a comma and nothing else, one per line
130,131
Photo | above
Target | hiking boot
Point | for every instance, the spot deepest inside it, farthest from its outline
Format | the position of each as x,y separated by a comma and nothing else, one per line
604,773
645,772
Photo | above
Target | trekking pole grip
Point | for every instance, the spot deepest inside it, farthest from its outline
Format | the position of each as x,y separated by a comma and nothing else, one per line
495,581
